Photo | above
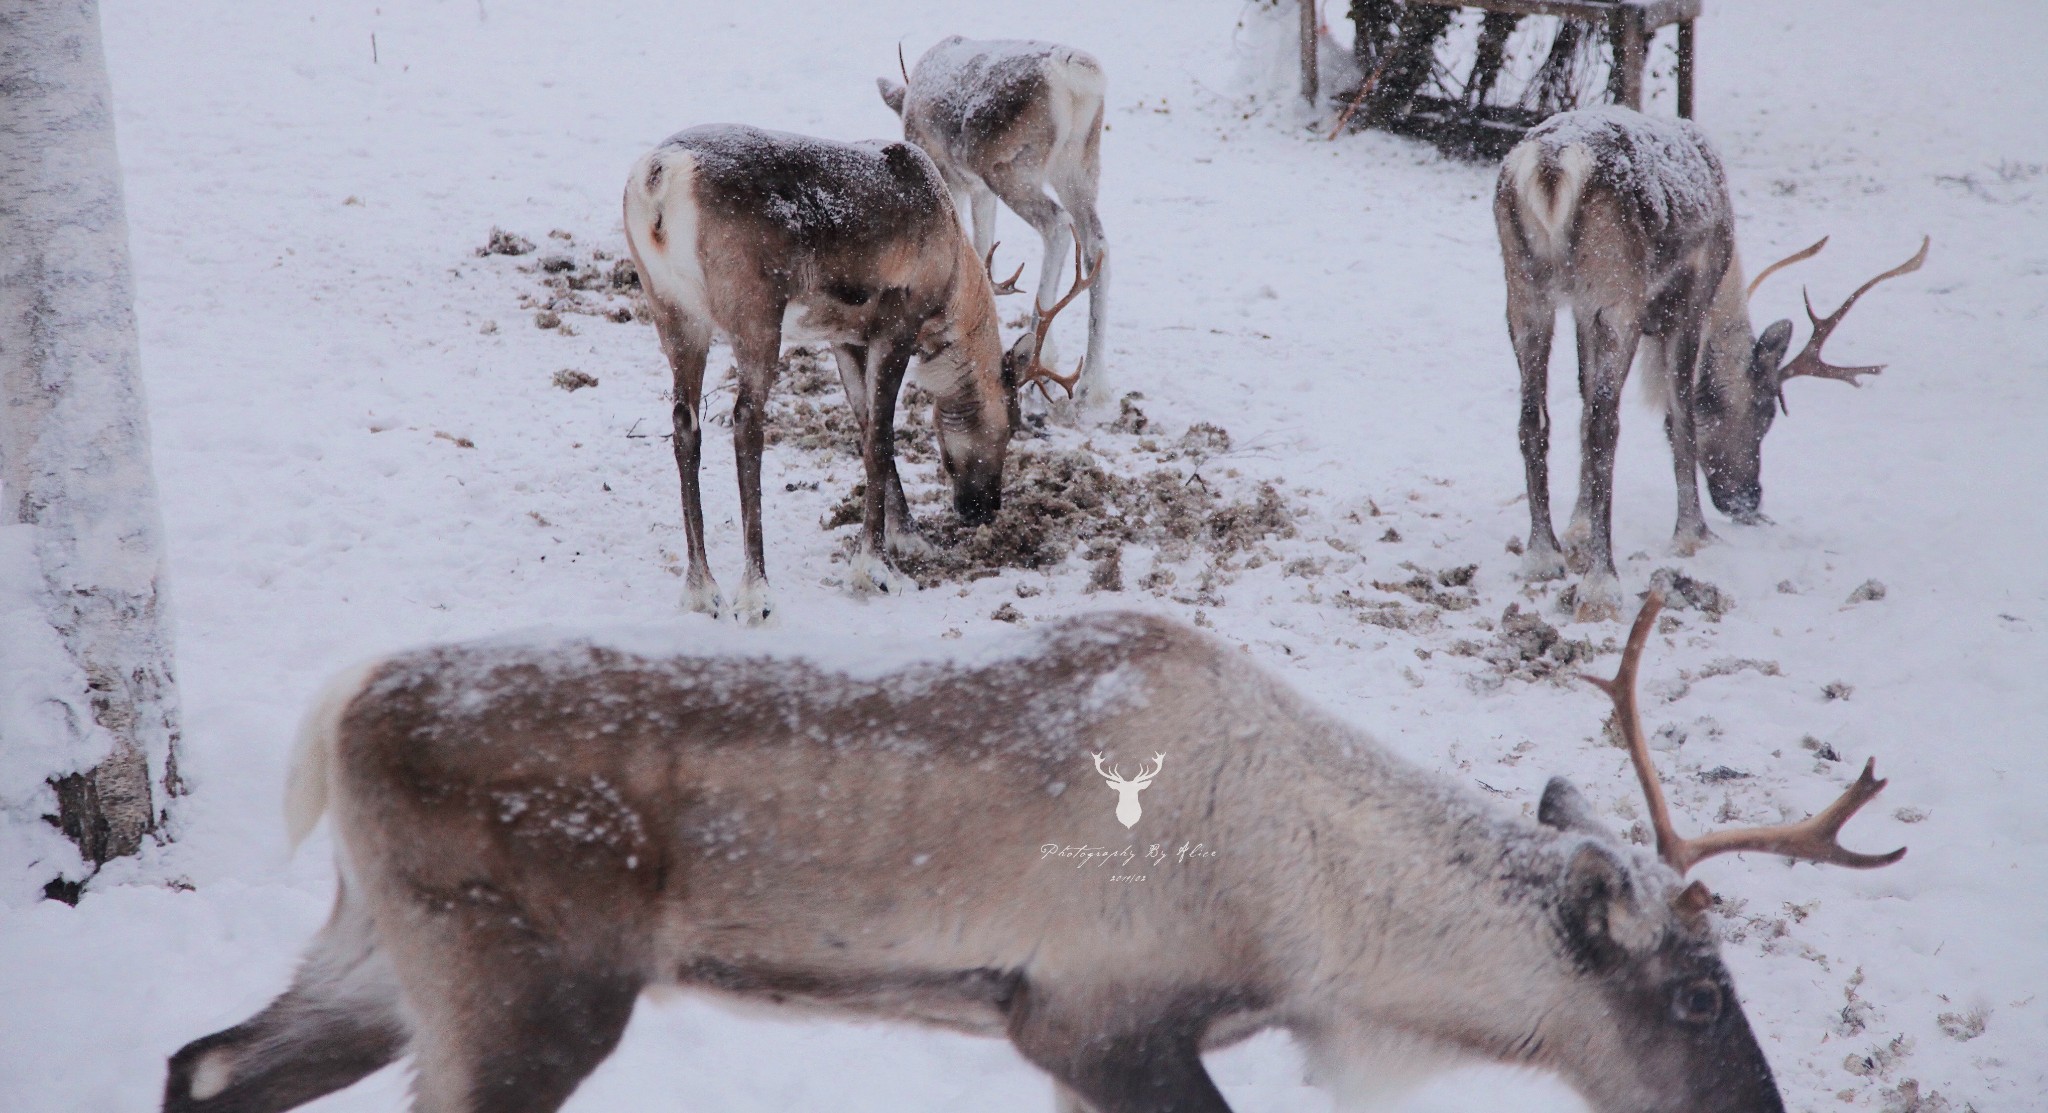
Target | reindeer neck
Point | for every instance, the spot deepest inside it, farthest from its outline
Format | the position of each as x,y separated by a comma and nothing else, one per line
1415,866
970,340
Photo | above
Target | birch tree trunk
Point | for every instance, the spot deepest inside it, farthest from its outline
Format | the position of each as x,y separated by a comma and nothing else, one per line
88,707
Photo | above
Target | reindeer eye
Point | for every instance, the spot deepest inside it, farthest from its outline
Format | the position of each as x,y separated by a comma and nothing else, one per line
1696,1002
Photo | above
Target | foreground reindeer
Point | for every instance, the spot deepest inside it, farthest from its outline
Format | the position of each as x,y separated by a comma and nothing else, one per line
753,233
1008,119
1627,219
531,833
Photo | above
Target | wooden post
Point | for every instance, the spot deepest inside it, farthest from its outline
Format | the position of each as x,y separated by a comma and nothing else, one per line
1631,50
1309,80
1685,69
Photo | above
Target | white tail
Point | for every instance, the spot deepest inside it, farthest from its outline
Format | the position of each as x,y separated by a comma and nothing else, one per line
311,772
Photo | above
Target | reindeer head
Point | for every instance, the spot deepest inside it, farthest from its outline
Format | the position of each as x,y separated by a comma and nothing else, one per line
1127,808
1742,384
1661,1028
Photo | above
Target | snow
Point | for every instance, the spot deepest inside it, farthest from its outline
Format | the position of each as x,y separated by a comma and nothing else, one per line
1668,162
303,223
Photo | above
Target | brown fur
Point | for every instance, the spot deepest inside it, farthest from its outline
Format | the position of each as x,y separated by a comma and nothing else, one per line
859,244
533,833
1628,221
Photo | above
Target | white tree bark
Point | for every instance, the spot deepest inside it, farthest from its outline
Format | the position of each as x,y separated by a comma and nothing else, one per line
88,707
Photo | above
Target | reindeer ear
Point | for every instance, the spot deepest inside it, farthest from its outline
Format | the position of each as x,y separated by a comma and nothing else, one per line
1604,922
1564,809
1769,354
892,93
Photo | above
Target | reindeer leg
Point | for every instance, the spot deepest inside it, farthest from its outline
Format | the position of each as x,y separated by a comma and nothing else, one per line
1682,359
338,1022
871,570
757,352
1077,192
982,201
899,529
853,376
1026,196
1148,1066
1532,319
515,1023
1607,345
686,341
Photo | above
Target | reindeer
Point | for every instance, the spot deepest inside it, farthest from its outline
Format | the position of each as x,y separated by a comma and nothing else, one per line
1127,807
757,234
1008,119
531,832
1627,219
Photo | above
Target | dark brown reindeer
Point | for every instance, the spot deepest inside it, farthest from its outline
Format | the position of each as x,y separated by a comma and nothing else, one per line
1011,119
761,235
531,833
1626,218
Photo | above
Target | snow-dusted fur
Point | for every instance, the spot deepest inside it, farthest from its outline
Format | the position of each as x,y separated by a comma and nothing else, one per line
537,830
1626,219
1012,119
759,236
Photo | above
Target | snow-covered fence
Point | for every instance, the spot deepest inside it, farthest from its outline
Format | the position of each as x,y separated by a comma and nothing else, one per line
88,708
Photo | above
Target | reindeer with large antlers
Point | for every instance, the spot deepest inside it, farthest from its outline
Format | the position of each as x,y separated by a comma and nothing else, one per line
1011,119
1627,219
532,832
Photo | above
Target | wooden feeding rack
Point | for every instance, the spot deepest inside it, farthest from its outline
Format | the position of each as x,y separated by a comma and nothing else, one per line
1469,125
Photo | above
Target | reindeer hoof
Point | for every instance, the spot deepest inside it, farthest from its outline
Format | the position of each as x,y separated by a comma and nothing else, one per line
1542,564
702,597
1687,542
753,606
908,542
873,576
1598,599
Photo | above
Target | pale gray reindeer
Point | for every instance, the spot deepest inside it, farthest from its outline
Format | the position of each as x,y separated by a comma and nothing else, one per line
761,235
1011,119
1626,218
531,832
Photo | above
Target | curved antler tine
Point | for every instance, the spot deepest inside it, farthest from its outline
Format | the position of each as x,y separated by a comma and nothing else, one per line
1797,256
1809,361
1007,285
1622,691
900,67
1816,839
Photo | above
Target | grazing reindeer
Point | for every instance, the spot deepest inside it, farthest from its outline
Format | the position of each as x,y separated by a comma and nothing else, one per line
1127,807
756,233
1627,219
1008,119
533,832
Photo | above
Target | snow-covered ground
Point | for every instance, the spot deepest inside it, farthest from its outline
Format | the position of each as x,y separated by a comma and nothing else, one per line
314,317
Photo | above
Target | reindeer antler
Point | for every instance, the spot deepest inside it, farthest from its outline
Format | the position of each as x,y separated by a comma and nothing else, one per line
1781,264
1808,361
1007,285
1817,839
1112,775
1038,373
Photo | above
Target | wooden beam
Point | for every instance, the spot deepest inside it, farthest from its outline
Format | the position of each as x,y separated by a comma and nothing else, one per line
1309,79
1685,49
